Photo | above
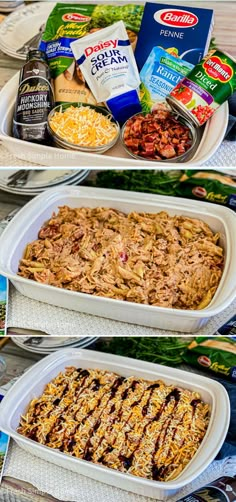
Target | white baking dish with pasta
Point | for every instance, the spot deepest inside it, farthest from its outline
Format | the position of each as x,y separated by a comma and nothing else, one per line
26,225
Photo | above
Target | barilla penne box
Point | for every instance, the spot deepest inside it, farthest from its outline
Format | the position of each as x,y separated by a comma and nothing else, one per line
184,32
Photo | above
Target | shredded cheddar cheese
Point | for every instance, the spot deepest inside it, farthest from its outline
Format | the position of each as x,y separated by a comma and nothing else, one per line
83,126
140,427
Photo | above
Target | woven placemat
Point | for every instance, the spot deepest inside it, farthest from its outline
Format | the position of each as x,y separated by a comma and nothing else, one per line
69,486
31,314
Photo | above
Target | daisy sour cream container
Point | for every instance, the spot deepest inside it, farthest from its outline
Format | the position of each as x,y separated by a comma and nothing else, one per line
208,85
108,65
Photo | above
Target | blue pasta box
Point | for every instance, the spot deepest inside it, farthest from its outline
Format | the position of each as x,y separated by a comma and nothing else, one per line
184,32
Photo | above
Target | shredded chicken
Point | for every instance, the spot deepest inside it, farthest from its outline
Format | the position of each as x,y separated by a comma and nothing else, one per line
141,427
154,259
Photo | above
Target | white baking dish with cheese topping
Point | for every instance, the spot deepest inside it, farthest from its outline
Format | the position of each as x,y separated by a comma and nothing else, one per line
32,384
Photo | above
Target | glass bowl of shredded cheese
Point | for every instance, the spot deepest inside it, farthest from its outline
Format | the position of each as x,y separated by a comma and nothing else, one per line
84,127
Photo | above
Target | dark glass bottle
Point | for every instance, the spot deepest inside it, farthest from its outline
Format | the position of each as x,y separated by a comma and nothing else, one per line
34,100
228,329
221,490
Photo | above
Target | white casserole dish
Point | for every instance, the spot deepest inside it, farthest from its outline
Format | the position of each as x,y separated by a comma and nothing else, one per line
25,226
32,384
44,155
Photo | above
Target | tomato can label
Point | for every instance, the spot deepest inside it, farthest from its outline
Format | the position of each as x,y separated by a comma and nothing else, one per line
207,86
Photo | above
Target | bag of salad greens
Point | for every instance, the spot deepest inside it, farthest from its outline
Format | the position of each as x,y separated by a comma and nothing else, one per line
216,354
210,186
68,22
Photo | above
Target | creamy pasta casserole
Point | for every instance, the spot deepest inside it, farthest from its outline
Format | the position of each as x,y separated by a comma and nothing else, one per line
140,427
154,259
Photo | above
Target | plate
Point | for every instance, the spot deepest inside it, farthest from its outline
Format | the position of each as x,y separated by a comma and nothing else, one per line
40,180
47,344
8,7
21,25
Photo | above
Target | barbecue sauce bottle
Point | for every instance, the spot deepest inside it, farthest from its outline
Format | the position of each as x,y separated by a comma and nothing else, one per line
34,100
221,490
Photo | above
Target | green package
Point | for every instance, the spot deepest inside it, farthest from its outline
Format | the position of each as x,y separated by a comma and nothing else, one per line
68,22
216,353
211,186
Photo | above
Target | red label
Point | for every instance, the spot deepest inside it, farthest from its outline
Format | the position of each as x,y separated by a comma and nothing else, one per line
204,361
75,18
199,192
216,69
179,18
103,45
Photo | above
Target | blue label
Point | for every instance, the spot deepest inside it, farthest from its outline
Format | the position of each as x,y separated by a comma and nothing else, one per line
233,373
232,201
158,29
162,72
57,48
229,328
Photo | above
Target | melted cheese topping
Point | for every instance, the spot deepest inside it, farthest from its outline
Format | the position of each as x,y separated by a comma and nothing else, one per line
144,428
83,126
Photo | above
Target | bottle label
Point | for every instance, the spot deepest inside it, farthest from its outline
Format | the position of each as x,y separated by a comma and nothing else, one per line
34,101
221,490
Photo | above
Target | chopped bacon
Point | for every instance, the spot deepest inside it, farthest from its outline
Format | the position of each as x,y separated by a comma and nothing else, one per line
123,256
49,231
167,151
157,135
132,142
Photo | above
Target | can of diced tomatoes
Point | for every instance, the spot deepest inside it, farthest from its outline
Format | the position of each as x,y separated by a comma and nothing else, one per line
221,490
208,85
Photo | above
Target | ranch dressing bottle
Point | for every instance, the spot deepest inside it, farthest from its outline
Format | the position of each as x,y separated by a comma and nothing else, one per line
34,100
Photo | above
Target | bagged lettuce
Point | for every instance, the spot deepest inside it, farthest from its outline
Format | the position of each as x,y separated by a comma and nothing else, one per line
210,186
214,354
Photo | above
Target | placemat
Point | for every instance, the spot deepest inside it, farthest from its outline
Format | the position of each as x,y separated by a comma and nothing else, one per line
31,314
69,486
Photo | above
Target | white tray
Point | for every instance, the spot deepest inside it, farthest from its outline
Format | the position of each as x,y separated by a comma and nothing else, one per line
33,382
116,157
25,226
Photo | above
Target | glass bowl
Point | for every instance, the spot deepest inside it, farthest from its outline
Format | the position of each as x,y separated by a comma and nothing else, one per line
67,145
180,158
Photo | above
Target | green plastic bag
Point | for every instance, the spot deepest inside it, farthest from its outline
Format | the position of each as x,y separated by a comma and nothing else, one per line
210,186
216,353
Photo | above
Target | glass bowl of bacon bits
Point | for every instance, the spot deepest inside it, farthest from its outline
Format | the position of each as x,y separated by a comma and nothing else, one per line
160,136
83,127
